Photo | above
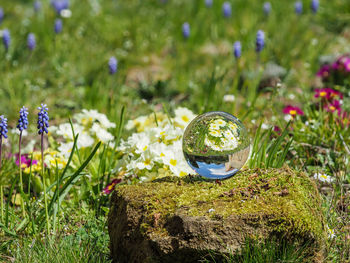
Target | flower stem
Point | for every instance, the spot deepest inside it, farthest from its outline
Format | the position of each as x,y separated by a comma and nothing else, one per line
44,184
20,173
1,190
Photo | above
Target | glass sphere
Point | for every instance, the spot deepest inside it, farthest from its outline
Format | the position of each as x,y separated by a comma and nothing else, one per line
216,145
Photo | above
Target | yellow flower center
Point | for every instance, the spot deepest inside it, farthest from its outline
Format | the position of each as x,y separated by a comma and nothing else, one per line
147,162
145,148
185,118
323,94
182,173
293,112
173,162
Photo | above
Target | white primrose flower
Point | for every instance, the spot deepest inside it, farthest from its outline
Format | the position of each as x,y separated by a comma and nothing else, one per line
140,121
171,133
174,158
145,161
102,134
158,150
183,116
89,116
142,142
65,149
65,130
155,150
84,140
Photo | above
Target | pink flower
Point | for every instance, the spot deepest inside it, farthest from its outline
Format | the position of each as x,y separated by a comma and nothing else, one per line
342,63
292,110
333,106
25,161
327,93
110,187
324,71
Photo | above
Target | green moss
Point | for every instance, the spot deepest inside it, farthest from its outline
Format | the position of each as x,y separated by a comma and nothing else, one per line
280,199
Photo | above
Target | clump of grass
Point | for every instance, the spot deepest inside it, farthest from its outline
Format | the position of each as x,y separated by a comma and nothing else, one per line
278,251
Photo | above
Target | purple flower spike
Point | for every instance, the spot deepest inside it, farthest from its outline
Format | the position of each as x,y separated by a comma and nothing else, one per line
6,38
186,30
237,49
37,6
208,3
113,65
298,7
43,119
58,26
1,14
3,127
60,5
314,6
226,9
260,41
267,8
23,119
31,42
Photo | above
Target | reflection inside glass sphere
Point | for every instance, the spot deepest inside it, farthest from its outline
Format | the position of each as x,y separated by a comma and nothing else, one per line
216,145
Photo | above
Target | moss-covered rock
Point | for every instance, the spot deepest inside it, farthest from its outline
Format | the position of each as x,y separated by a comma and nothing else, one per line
181,219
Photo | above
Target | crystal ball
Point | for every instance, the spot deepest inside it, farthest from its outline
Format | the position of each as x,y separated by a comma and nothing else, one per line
216,145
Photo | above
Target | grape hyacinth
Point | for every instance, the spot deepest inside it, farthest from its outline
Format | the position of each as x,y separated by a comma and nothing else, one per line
226,9
22,125
3,127
314,6
186,30
260,41
208,3
58,26
43,119
267,8
6,38
113,65
3,134
23,119
237,49
298,7
43,124
1,14
60,5
31,42
37,6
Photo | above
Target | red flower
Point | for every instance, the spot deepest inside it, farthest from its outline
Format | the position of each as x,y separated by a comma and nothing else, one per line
110,187
292,110
327,93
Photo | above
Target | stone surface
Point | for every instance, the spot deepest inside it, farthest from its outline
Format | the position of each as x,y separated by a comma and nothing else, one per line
185,219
